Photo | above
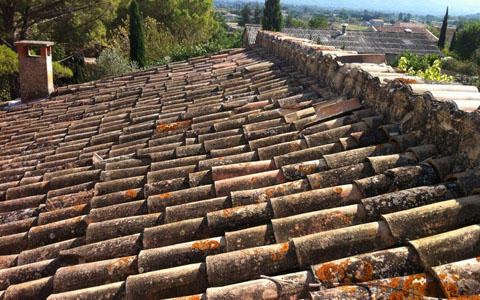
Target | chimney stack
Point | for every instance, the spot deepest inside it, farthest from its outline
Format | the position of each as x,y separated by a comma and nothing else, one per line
36,71
344,28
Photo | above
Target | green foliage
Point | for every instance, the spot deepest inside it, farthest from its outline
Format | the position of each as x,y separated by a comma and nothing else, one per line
8,61
453,44
318,22
443,31
415,62
60,71
257,14
112,63
476,56
459,66
163,47
8,68
245,14
299,23
61,74
289,21
272,16
434,31
423,66
190,21
159,40
225,40
468,39
136,36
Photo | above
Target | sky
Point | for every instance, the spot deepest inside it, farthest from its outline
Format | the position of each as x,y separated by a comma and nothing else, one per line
424,7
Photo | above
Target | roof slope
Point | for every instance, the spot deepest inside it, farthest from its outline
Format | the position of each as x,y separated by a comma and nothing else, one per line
361,41
414,29
201,176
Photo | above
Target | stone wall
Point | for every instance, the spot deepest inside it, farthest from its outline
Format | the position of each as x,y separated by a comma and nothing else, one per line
454,132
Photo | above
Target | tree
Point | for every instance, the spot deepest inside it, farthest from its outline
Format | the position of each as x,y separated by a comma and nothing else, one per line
245,14
289,21
136,35
272,16
8,67
318,22
190,21
443,31
468,39
20,19
400,17
454,41
257,14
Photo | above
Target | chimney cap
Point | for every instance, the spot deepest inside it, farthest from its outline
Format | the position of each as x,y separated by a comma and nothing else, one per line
408,30
344,24
34,43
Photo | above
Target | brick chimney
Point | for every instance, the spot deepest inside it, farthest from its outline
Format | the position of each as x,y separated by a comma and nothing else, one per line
36,71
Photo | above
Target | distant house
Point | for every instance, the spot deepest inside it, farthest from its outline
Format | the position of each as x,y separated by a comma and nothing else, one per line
409,25
377,22
231,17
414,29
232,26
378,42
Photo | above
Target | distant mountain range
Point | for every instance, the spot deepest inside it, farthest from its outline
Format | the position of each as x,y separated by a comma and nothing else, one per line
424,7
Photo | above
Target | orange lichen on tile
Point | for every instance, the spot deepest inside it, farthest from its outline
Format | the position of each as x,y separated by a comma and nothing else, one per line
307,170
228,212
394,282
131,193
406,80
78,208
164,195
119,263
397,295
338,190
281,253
205,245
364,272
194,297
162,128
330,273
451,289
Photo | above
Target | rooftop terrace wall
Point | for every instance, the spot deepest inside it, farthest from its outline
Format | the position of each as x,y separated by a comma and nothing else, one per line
452,130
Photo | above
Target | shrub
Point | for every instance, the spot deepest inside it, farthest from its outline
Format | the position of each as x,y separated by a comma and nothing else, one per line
112,63
468,40
416,62
60,71
459,66
8,68
428,67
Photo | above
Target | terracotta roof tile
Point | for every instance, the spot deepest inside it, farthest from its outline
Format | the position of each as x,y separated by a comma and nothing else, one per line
196,178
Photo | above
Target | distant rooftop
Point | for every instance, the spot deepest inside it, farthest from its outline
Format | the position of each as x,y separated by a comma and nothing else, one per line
360,41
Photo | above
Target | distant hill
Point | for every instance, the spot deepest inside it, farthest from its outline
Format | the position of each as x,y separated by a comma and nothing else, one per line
431,7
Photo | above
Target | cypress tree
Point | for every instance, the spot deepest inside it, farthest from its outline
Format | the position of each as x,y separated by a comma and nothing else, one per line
443,31
272,16
454,41
137,37
245,15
